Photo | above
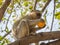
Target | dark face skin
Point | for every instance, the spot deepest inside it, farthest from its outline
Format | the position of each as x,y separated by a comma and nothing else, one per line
35,15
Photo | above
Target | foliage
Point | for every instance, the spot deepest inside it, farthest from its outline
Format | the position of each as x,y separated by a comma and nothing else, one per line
58,5
57,15
56,0
1,2
4,41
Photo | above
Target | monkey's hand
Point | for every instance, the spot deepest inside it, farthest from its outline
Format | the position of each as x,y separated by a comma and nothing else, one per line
39,22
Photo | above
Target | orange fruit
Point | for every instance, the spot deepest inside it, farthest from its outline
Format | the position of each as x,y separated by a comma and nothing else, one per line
41,24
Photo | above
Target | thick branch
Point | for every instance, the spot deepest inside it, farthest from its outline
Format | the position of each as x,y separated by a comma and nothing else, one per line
38,37
4,7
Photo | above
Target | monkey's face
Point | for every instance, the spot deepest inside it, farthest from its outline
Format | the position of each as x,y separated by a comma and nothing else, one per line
35,15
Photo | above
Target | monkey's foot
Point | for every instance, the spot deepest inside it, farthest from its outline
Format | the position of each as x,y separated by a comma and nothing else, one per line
32,34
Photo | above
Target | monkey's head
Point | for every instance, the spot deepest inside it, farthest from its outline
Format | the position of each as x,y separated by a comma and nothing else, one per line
35,14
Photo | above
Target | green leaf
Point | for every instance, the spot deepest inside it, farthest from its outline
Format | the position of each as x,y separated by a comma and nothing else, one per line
59,23
18,1
56,0
58,5
11,6
57,15
1,37
1,2
59,28
14,20
31,7
13,16
25,3
3,43
15,1
41,5
38,0
25,0
7,30
4,19
44,0
6,40
9,11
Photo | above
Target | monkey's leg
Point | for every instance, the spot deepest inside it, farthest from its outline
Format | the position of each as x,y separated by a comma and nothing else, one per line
24,27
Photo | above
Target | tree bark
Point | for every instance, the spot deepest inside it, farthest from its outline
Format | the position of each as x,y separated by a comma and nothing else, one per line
4,7
38,37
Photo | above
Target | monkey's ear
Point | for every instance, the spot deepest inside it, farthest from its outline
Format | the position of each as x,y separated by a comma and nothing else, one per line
41,24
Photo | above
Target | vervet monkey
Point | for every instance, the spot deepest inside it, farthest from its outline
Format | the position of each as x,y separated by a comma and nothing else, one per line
26,25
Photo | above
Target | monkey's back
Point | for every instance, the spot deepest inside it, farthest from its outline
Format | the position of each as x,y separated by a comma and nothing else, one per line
20,29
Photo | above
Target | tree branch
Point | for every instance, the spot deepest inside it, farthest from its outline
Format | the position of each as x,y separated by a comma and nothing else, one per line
47,3
34,8
5,35
38,37
4,7
7,22
53,17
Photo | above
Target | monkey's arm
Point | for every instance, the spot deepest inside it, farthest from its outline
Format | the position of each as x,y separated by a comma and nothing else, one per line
39,22
34,22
